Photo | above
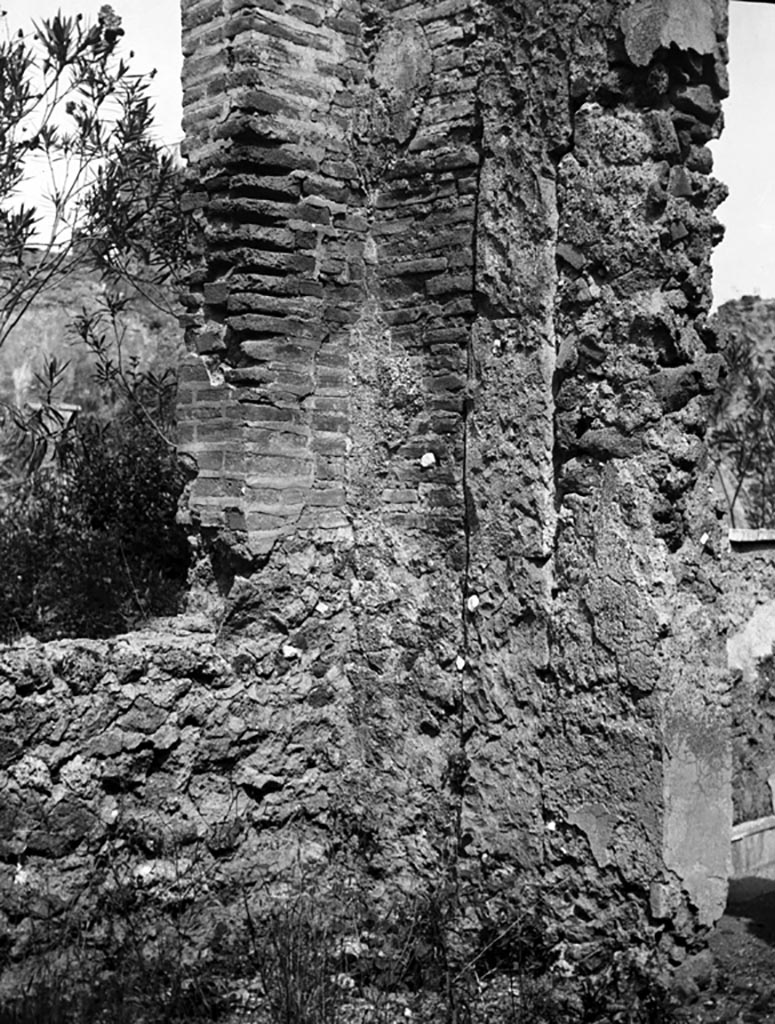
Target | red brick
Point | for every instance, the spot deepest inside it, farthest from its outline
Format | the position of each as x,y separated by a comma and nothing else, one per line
329,443
234,519
327,499
261,494
330,421
280,466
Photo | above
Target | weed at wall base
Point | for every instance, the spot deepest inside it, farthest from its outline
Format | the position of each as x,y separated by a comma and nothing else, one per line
171,943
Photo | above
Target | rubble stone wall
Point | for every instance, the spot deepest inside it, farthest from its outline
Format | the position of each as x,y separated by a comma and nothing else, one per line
445,396
161,743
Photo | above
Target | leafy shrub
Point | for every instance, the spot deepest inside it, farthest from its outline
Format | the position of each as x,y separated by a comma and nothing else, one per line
88,544
72,105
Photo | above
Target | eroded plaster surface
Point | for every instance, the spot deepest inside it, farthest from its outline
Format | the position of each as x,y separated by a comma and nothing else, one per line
753,642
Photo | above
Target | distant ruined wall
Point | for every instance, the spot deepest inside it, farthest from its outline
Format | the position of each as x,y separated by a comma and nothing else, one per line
749,603
445,397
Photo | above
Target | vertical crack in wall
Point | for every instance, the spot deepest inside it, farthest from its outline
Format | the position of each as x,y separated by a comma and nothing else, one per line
468,411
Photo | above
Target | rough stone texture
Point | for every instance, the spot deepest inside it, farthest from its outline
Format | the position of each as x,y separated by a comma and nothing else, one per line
445,395
185,740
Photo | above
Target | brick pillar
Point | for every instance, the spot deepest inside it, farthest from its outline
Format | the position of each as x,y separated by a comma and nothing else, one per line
448,358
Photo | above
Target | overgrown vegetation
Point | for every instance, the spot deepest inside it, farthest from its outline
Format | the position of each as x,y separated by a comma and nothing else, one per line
90,547
88,541
160,938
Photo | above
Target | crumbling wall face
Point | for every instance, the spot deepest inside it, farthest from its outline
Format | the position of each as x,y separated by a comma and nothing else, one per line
594,725
636,743
509,485
154,751
493,484
337,354
430,565
417,150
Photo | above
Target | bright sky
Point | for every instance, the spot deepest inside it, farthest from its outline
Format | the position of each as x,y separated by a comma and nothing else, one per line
744,263
152,30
